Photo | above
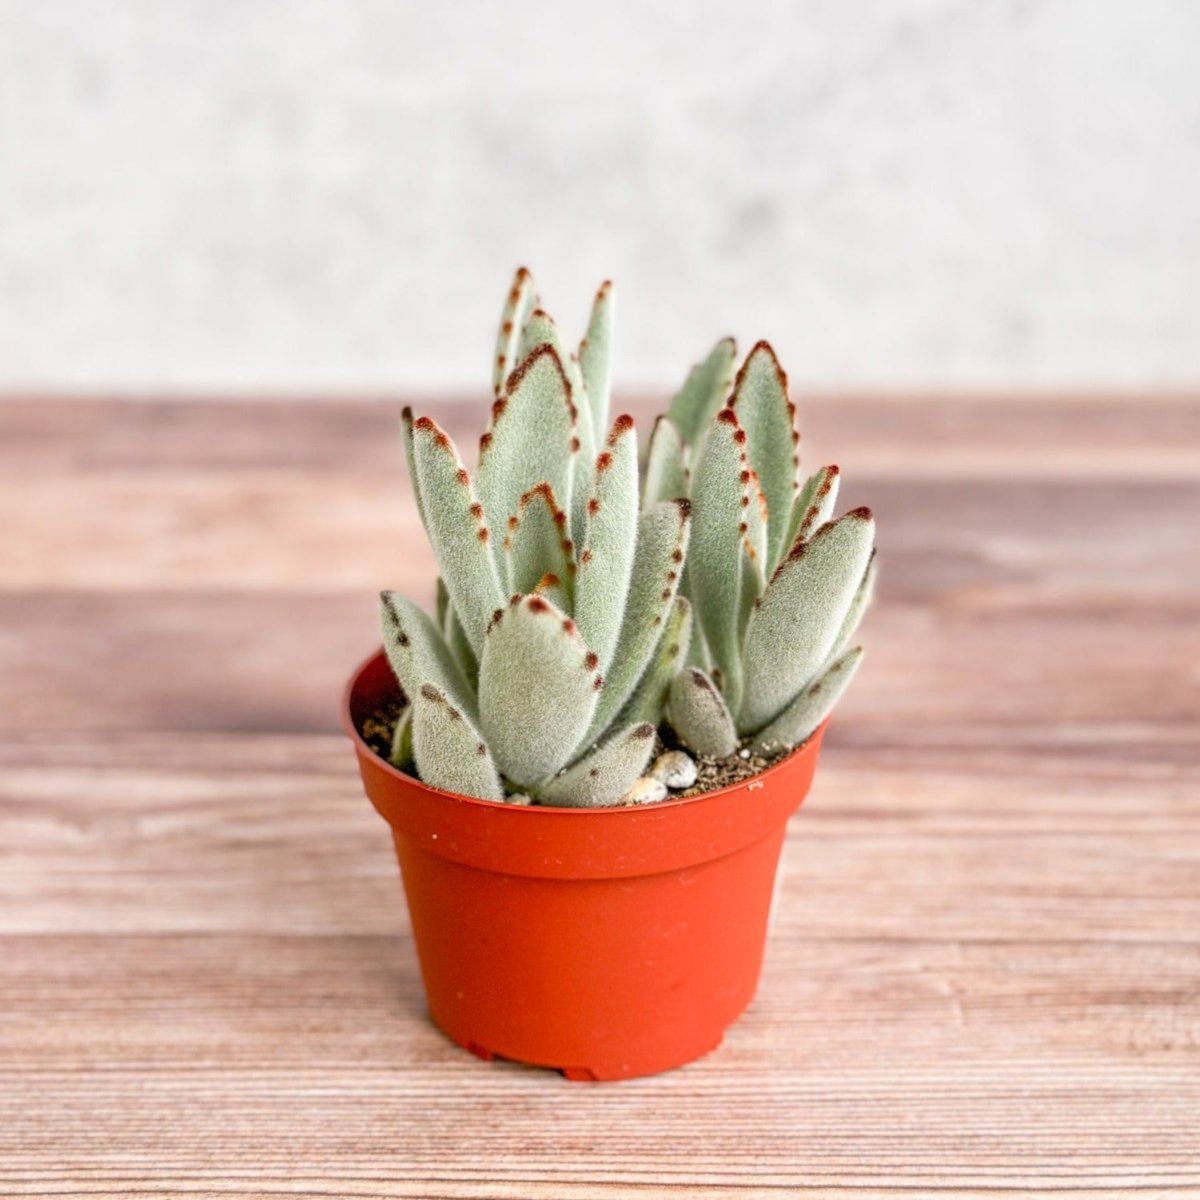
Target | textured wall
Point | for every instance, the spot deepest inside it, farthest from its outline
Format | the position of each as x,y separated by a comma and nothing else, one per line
246,193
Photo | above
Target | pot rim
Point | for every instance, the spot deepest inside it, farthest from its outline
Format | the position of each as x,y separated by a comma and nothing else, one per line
541,811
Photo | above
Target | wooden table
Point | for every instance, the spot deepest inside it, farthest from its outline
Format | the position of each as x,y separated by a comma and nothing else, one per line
984,971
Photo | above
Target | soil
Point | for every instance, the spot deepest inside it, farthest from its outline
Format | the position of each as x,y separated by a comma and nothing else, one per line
711,773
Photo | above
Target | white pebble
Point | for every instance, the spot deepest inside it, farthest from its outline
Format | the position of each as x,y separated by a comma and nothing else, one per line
675,769
744,753
518,798
645,791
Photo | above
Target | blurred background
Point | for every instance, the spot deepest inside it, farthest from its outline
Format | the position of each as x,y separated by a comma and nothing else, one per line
258,196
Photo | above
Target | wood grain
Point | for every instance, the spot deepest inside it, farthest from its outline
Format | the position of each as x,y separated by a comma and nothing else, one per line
983,977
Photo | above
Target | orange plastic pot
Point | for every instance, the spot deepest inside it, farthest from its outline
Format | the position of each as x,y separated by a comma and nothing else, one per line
605,943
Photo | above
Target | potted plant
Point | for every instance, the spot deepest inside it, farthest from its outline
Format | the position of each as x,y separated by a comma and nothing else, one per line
589,756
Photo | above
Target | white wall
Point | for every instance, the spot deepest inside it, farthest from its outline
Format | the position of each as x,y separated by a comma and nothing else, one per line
277,194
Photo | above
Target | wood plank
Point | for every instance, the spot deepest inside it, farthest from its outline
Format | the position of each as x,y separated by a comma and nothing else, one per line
984,969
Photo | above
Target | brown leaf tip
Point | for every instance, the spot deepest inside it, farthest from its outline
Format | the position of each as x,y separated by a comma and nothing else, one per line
543,351
739,436
462,476
677,557
642,731
512,524
575,445
604,461
685,506
568,625
484,535
537,605
496,615
593,506
700,680
591,660
623,424
431,693
424,423
543,314
484,442
476,509
481,750
597,683
727,417
523,273
862,513
549,580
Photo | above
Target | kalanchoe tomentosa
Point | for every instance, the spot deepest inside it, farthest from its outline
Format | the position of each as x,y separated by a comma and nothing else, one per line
777,586
565,627
559,627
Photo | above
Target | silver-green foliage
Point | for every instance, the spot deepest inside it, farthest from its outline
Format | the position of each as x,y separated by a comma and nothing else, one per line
558,625
572,618
777,586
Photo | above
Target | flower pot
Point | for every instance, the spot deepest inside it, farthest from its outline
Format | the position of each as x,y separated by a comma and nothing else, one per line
606,943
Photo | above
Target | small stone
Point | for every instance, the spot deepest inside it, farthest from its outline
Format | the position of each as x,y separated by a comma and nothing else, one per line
645,791
675,769
518,798
744,753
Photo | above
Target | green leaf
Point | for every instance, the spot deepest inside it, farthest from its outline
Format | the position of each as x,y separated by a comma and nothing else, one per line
541,330
538,686
666,476
700,716
650,696
721,497
796,623
449,752
602,777
401,754
529,440
457,530
610,537
418,653
798,722
703,393
595,360
537,541
518,304
813,507
410,460
859,605
760,399
662,544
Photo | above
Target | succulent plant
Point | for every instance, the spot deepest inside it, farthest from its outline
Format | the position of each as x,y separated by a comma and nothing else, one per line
777,585
578,607
559,624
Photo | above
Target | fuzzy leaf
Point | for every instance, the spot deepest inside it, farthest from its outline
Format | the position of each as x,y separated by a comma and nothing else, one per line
418,653
538,686
595,360
401,754
666,476
529,440
662,543
793,629
859,605
541,330
760,399
410,460
609,541
518,304
550,587
448,750
457,530
536,542
602,777
703,392
449,622
700,716
800,719
721,496
650,696
813,507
